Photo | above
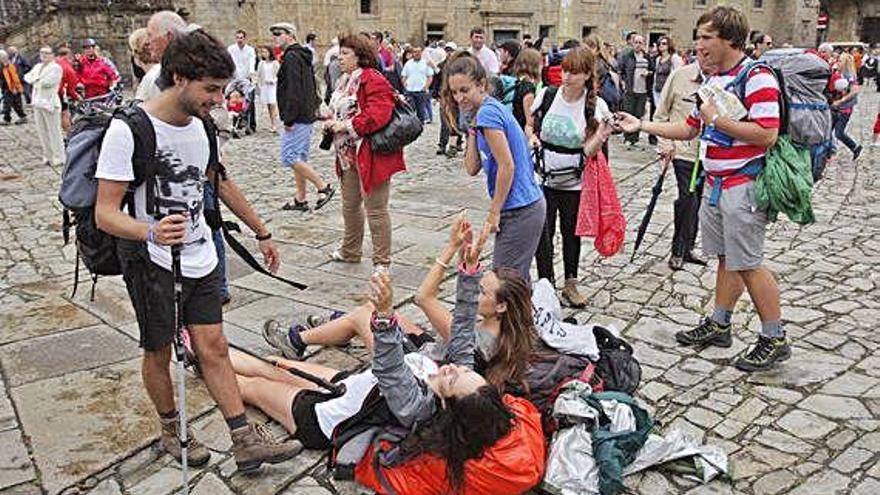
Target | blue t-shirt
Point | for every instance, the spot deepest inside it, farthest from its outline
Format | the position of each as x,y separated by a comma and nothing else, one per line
524,190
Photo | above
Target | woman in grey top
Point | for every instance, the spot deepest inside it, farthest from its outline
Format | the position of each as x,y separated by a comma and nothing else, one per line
667,61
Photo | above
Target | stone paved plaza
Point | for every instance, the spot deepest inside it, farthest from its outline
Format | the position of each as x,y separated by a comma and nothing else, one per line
74,417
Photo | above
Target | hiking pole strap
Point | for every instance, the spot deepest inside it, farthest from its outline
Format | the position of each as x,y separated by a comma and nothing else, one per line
335,389
248,258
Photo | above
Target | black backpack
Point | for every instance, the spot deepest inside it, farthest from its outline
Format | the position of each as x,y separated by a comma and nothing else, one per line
617,367
96,248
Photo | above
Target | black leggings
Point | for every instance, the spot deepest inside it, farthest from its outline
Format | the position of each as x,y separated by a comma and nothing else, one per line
566,204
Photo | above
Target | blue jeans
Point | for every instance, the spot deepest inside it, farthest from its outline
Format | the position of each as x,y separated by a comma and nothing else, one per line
840,121
219,244
417,99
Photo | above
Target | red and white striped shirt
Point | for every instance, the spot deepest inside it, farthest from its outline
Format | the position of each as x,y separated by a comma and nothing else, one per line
762,104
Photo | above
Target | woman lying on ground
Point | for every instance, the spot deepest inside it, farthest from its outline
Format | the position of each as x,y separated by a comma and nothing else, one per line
469,437
519,335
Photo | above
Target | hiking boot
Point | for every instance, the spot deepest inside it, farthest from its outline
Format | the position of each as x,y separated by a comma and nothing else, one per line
709,332
252,445
314,321
764,354
324,196
196,453
441,150
571,294
296,206
676,263
23,120
279,337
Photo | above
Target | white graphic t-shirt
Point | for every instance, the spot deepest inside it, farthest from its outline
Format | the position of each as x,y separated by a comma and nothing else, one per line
565,125
182,155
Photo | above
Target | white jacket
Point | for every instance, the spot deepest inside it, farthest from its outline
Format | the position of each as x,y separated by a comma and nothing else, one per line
45,79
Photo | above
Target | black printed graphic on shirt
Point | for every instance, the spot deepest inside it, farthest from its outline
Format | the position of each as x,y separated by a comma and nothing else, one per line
179,188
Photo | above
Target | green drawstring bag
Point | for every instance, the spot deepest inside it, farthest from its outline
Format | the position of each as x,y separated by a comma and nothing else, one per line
786,183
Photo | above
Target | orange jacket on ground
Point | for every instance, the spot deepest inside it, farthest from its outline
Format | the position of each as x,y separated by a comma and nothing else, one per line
512,466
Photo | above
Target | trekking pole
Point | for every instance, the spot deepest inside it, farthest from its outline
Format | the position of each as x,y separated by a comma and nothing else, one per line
696,171
335,389
180,351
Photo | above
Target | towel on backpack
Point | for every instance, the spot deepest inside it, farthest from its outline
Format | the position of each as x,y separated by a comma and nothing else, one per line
600,214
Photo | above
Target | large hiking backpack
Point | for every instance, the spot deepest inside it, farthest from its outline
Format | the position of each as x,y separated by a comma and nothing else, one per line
504,89
805,116
79,187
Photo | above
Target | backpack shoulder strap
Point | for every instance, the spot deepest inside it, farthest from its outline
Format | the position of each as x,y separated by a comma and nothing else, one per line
546,103
143,158
144,139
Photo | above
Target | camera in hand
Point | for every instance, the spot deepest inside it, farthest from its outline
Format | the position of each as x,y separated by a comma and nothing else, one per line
326,140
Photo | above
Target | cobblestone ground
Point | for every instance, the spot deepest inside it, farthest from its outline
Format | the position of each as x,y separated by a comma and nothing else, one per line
74,417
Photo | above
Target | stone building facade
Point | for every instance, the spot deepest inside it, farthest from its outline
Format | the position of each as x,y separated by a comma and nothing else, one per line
852,20
30,23
416,20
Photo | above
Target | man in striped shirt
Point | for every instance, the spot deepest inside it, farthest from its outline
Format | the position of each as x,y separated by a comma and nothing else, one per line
732,153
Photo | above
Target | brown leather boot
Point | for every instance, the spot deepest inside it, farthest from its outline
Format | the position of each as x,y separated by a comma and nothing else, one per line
571,294
196,453
252,445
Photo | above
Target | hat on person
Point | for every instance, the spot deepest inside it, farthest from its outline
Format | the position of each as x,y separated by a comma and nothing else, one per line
450,46
283,26
88,42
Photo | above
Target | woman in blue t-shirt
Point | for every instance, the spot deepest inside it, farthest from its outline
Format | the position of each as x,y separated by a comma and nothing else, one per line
497,145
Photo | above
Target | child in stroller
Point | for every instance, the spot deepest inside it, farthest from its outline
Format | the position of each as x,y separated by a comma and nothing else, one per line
240,103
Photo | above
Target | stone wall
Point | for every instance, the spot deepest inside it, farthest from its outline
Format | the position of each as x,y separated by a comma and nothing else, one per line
409,20
37,22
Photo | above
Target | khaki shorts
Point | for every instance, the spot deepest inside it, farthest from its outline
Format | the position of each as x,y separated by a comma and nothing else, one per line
735,228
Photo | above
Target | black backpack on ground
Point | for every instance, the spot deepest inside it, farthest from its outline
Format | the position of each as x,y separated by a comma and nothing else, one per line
617,367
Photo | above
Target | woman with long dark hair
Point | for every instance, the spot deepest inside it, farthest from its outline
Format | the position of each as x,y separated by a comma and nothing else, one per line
468,437
497,146
362,104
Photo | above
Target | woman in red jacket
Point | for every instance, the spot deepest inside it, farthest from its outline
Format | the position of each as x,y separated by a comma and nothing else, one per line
362,104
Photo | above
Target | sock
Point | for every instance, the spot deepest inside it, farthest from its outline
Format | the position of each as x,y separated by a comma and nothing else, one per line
169,415
722,315
237,422
772,329
295,338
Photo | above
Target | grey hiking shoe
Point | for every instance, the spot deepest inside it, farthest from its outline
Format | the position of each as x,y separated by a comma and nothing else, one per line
707,333
278,336
764,354
252,445
196,453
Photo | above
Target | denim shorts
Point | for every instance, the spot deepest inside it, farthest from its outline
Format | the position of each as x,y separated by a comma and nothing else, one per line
295,144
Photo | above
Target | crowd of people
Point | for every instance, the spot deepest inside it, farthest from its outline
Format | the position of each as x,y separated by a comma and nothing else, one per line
535,121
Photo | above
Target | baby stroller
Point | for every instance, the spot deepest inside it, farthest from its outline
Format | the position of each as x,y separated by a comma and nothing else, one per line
244,119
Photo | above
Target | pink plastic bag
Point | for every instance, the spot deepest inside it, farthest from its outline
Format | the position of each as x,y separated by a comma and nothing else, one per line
600,214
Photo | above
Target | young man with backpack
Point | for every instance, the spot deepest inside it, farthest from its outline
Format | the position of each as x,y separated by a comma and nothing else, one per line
733,226
154,160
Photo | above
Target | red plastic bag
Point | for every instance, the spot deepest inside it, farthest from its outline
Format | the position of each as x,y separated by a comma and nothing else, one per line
600,214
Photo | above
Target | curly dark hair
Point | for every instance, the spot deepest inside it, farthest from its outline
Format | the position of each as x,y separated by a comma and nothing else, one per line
364,48
195,55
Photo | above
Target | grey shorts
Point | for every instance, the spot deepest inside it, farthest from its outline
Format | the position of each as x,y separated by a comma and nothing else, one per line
735,228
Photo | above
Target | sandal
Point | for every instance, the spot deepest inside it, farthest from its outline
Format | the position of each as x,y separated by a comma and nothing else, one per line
296,206
324,196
